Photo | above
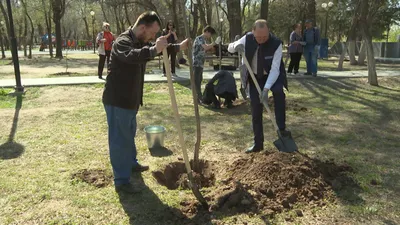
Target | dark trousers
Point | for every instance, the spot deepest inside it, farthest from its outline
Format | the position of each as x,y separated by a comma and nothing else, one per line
198,78
210,97
257,110
171,52
102,60
294,62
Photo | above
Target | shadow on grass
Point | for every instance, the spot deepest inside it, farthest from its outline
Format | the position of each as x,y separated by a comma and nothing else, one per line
160,152
146,208
11,149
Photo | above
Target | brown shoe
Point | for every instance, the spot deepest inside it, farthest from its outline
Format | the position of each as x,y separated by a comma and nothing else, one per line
139,168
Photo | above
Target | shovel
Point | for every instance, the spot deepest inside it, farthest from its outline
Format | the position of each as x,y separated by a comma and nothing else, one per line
192,184
283,144
242,90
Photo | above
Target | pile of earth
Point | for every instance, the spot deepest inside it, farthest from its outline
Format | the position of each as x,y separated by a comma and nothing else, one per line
271,182
290,105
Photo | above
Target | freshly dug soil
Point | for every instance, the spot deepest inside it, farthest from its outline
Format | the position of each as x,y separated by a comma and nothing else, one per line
174,175
96,177
272,182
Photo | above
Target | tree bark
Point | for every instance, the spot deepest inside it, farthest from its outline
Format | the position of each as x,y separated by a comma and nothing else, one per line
195,15
47,16
364,22
362,54
263,9
103,10
234,18
352,52
202,13
343,55
58,13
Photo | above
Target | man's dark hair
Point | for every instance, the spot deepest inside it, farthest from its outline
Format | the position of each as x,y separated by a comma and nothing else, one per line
209,29
148,18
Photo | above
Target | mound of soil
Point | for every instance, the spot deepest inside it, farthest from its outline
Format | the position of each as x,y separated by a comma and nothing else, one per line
272,182
96,177
174,175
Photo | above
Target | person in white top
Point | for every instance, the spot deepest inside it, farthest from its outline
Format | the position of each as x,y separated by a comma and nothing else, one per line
264,52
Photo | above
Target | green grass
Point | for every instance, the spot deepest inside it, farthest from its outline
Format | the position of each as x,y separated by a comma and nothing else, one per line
63,129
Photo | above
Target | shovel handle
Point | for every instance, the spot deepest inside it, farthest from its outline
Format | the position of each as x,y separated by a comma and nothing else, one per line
271,116
175,109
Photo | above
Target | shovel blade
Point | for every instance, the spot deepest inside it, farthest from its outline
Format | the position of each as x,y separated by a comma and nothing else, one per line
286,144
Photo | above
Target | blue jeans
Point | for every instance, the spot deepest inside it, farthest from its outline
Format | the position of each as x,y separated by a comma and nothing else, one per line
310,54
121,141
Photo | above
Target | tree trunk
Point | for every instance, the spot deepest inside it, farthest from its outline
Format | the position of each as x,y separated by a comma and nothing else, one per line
5,15
362,54
208,5
104,12
127,14
343,55
352,52
263,9
311,10
32,28
47,17
202,13
372,76
86,27
234,18
195,21
58,13
117,20
25,36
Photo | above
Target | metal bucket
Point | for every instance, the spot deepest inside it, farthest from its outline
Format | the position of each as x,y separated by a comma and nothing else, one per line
155,136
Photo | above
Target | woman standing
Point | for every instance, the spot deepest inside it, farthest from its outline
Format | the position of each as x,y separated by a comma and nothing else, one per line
104,40
295,49
169,31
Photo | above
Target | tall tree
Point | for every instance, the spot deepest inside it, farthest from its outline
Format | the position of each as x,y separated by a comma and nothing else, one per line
58,12
263,9
31,26
47,17
234,18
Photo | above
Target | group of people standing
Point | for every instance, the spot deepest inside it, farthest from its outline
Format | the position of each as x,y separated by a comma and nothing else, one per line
306,44
131,50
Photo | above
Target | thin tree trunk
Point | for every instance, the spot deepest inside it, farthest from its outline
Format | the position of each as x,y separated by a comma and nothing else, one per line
202,13
234,18
25,36
47,17
343,55
372,76
86,27
362,54
104,12
127,14
352,52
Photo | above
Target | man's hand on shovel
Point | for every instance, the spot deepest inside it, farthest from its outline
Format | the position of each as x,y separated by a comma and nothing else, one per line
264,96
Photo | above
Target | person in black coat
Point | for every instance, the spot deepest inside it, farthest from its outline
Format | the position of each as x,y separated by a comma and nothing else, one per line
223,85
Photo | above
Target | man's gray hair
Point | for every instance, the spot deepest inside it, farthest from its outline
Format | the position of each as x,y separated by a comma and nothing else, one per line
261,23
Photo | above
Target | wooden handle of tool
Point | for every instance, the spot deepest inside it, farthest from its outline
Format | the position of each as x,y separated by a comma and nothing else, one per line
259,92
175,109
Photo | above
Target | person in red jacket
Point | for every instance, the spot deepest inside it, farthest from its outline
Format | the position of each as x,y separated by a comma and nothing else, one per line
104,40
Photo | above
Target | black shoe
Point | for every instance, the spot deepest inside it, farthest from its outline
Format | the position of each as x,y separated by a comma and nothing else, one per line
127,189
229,105
139,168
307,74
254,148
314,74
100,77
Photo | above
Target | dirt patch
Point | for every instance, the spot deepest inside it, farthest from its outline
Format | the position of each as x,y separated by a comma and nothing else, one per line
96,177
65,74
274,182
290,105
174,175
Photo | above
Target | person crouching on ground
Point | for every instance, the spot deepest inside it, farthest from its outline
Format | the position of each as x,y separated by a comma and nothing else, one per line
223,85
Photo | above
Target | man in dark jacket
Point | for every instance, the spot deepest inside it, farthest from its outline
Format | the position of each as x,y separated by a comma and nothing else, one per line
123,93
264,52
223,85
